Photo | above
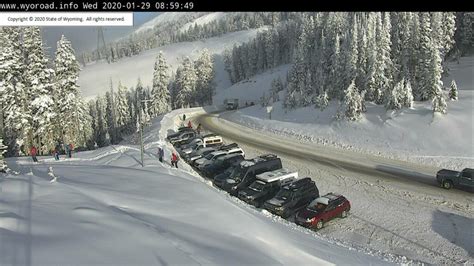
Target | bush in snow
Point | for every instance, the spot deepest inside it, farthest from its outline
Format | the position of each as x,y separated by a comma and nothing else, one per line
352,102
453,91
406,94
392,97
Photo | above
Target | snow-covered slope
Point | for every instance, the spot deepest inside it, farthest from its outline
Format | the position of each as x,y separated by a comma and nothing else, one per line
409,134
165,17
104,208
94,78
204,20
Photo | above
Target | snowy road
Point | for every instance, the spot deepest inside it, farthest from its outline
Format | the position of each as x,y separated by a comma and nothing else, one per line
397,206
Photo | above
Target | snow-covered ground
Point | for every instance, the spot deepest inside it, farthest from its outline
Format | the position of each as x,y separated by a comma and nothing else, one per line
94,78
104,208
409,134
165,17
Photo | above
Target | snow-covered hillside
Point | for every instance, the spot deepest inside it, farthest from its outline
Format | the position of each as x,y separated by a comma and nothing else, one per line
104,208
204,20
94,78
166,17
409,134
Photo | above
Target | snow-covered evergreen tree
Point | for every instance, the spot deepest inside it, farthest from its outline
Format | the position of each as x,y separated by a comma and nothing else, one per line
13,93
393,96
160,95
204,67
123,116
352,103
439,103
453,91
185,84
73,115
39,84
406,94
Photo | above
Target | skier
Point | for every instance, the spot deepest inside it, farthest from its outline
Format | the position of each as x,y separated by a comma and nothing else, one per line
190,125
33,152
199,128
174,160
70,148
184,117
161,154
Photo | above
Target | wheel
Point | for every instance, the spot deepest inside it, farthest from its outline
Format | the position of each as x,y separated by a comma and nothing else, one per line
344,214
319,225
447,184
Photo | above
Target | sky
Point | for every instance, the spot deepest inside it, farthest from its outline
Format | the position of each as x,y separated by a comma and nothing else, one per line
85,38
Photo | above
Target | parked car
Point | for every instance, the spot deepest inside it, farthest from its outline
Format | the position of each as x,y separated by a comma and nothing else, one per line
182,137
448,178
322,210
248,169
176,134
266,186
293,197
208,158
188,148
198,154
220,178
222,163
201,163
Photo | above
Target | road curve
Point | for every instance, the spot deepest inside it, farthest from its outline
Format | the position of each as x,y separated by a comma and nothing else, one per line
365,164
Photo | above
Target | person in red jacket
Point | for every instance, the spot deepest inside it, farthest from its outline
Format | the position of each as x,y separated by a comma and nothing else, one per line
33,152
174,159
190,125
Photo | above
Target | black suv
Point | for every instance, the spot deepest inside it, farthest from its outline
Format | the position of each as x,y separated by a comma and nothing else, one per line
245,173
221,164
293,197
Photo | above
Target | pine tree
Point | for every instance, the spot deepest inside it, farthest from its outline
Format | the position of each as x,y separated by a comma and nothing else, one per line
453,91
123,115
277,86
13,93
392,97
185,84
73,117
352,103
205,74
406,95
39,83
439,103
160,95
430,68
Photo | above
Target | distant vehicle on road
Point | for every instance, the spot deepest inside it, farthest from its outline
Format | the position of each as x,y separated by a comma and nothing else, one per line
231,104
449,178
322,210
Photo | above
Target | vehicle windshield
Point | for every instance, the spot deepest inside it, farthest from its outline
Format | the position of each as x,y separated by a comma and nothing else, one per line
257,186
284,194
317,207
219,161
238,173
